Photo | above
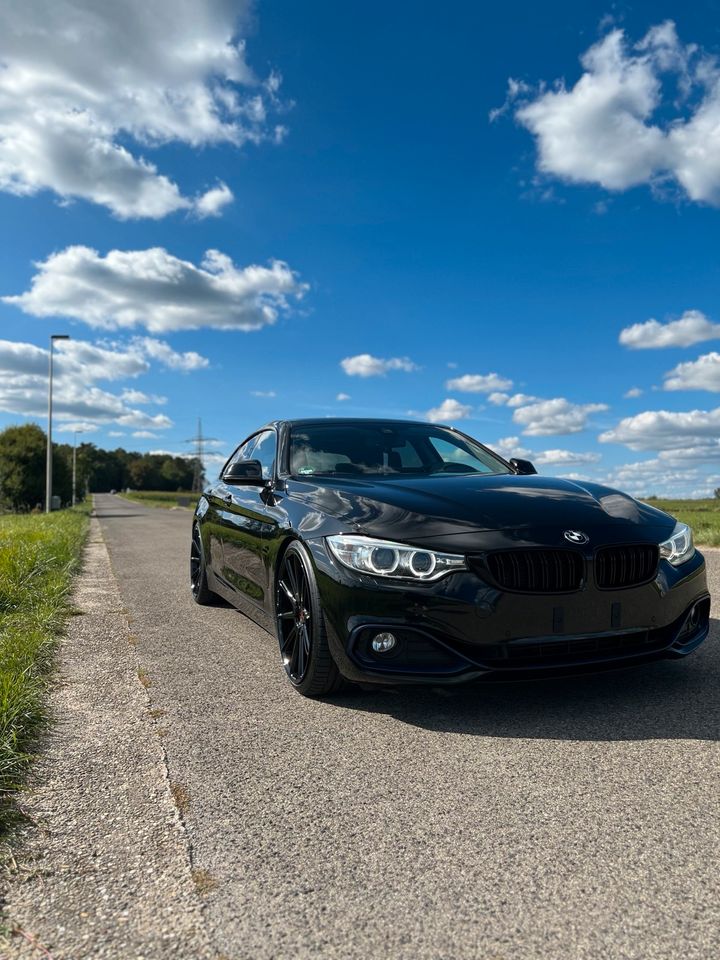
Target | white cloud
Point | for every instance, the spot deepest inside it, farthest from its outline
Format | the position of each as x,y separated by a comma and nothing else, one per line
116,433
632,393
700,374
212,203
162,352
509,447
564,457
343,396
692,327
666,430
78,367
87,89
153,289
448,411
622,125
145,434
137,396
479,383
556,416
365,365
658,477
82,427
263,393
516,400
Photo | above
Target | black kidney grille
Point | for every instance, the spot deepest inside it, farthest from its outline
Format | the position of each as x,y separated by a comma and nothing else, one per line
537,571
625,566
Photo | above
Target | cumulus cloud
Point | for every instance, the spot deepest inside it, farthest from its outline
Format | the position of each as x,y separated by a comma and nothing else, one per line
83,426
516,400
479,383
556,416
145,434
700,374
509,447
666,430
87,89
343,396
365,365
632,393
639,114
448,411
212,203
156,290
78,367
692,327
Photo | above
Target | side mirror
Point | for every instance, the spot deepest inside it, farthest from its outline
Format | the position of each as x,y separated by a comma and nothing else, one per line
245,471
522,467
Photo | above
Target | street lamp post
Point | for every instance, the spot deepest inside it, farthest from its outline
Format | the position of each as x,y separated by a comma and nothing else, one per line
48,458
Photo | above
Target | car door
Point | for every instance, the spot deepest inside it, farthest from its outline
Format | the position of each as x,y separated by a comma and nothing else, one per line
245,525
215,519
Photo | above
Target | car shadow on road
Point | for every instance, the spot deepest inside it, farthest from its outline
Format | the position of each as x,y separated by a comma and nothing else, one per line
670,699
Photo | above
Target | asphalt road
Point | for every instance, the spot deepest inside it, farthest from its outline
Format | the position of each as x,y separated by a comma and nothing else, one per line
558,819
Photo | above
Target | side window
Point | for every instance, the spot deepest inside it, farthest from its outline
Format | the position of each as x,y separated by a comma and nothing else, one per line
264,451
243,452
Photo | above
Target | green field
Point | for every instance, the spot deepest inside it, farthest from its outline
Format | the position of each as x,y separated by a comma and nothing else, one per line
702,515
162,498
38,556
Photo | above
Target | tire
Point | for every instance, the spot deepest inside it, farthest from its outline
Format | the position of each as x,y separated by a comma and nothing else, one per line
301,630
202,594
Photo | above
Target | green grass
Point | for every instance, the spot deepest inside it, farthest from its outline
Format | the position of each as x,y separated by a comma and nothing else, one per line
38,556
162,498
702,515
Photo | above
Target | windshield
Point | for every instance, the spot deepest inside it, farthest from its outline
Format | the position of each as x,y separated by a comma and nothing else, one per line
386,449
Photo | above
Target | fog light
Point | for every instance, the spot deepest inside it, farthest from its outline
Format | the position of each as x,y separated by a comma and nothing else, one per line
382,642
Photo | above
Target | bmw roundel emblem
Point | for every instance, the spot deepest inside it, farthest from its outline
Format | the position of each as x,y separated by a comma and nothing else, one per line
576,536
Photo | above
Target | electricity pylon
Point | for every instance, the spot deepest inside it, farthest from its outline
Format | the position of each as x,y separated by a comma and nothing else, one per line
199,440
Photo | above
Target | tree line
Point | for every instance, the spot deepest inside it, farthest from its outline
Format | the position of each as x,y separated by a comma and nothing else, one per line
22,469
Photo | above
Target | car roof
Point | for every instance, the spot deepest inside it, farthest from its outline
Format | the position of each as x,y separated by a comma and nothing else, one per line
306,421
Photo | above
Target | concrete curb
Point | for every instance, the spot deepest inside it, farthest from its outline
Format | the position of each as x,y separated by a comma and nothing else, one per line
106,870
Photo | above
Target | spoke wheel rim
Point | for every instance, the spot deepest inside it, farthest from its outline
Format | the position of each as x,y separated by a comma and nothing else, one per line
294,617
195,561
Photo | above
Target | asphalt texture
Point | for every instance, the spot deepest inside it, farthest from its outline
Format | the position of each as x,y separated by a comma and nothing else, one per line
555,819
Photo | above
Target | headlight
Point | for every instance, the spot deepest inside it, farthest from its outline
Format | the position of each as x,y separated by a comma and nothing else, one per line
383,558
679,547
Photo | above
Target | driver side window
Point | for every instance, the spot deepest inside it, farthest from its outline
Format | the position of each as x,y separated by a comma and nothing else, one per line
264,451
243,452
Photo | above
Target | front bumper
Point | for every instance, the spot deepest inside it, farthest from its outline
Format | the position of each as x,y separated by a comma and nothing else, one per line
462,627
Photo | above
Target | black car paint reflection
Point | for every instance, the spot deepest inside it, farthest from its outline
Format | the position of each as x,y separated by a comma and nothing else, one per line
463,625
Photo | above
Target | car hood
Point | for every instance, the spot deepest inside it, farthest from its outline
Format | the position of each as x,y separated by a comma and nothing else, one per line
480,512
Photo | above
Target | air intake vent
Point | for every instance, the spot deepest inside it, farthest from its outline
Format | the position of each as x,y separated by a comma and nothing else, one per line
625,566
537,571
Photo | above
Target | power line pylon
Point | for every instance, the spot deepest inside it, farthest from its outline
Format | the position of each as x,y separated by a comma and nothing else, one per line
199,440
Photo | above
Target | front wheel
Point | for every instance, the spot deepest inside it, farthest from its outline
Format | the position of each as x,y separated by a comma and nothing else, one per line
301,629
198,571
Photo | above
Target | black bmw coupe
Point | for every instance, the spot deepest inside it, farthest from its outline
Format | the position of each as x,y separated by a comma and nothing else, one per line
401,552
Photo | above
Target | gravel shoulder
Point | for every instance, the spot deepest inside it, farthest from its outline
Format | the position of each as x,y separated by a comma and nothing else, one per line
105,872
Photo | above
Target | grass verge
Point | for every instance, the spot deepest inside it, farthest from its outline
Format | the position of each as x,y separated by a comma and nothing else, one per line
162,498
38,556
702,515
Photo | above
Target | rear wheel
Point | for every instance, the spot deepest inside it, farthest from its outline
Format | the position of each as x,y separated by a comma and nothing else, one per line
301,629
198,571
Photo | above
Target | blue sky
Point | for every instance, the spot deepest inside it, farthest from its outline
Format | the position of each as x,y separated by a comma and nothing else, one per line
474,255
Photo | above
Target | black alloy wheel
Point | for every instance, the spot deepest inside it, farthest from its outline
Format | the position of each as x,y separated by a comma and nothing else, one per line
301,630
198,572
